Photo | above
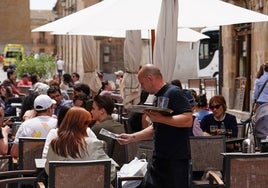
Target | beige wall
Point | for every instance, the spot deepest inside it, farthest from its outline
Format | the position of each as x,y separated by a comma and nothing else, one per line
15,23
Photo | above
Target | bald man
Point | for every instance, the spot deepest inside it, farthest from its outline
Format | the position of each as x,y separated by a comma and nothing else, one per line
170,133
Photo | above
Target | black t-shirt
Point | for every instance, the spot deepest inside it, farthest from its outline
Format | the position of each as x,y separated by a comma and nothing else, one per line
172,143
229,123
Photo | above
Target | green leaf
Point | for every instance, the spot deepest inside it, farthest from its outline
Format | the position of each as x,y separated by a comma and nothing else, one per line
44,66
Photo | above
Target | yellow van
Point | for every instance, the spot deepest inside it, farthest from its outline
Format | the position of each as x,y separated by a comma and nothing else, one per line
12,52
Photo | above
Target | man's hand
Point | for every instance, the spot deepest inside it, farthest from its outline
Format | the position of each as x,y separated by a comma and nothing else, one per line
155,116
125,138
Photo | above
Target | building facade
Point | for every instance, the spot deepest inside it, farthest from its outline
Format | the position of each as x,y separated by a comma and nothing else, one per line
15,23
243,50
42,42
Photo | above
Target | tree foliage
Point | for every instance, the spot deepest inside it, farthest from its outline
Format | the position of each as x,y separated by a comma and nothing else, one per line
44,66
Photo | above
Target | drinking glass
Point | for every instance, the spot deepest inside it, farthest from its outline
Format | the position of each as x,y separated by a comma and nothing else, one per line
229,133
213,129
162,102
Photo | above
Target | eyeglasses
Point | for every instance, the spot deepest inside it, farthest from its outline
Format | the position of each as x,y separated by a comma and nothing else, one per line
216,106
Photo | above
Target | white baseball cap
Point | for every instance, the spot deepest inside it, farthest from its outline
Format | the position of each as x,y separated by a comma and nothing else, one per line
120,72
43,102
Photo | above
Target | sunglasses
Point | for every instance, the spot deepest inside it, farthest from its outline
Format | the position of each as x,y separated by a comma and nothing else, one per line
216,106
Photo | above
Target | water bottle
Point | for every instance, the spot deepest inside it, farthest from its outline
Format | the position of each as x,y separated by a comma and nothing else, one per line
246,144
223,130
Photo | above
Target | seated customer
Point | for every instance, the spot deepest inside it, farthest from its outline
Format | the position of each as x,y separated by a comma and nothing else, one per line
82,100
102,109
25,80
106,90
54,92
73,143
4,139
53,133
219,116
195,129
201,109
39,126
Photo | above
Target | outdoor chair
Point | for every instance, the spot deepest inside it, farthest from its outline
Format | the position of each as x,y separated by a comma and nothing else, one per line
15,178
244,170
118,152
205,156
79,174
210,84
142,150
5,163
24,89
30,149
195,83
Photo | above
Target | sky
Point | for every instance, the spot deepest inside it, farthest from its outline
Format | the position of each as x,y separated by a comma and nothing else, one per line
42,4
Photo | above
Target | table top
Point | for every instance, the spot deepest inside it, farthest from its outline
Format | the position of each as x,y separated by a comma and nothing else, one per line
245,154
236,140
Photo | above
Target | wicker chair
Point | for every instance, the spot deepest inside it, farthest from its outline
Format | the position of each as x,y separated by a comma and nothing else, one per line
205,155
79,174
195,83
17,177
6,163
142,149
30,149
245,170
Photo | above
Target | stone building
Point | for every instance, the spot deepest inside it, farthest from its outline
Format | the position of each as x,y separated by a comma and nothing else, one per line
244,49
15,23
42,42
109,55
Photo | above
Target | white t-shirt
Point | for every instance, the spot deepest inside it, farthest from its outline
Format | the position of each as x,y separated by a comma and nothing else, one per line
60,64
37,127
53,133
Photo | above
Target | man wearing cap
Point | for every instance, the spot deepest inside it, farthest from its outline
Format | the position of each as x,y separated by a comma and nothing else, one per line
25,80
119,76
39,126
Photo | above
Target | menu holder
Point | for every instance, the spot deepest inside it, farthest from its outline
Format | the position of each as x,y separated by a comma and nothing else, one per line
142,108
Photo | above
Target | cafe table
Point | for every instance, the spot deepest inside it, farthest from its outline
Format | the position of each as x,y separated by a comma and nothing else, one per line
40,168
234,141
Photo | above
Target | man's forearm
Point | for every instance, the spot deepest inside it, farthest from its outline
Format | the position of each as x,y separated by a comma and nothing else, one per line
145,134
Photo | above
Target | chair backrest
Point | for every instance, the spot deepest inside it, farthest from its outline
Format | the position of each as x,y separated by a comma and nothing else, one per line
5,163
118,152
145,150
17,178
210,84
247,170
195,83
30,149
141,149
24,89
80,174
241,130
206,152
